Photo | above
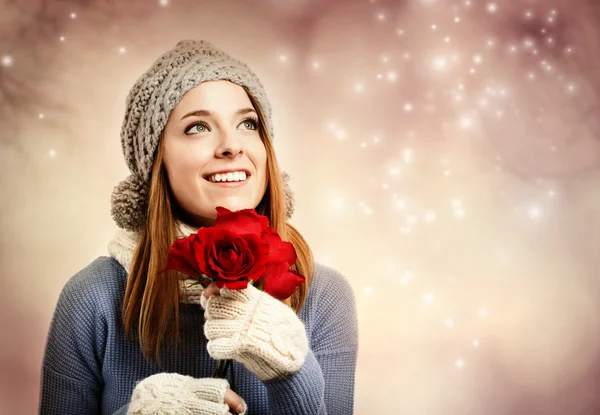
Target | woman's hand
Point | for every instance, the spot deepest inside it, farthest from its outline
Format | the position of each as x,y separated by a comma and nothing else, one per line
235,402
257,330
175,393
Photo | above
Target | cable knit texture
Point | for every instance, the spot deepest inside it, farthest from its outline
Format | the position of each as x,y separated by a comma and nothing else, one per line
257,330
89,367
147,109
169,393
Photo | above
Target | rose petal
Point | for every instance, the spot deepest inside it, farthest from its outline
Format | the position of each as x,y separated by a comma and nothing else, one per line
241,222
279,251
181,257
200,246
258,255
281,283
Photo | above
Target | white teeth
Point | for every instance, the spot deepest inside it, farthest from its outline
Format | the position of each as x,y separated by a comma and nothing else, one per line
228,177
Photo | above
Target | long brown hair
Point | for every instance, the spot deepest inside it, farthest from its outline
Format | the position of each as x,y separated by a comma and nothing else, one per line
151,303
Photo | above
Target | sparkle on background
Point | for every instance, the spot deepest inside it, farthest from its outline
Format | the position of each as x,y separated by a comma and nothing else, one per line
440,63
460,363
535,212
163,3
122,50
459,212
41,116
394,171
52,153
428,298
475,343
7,60
62,38
407,278
338,203
466,121
430,217
337,131
73,16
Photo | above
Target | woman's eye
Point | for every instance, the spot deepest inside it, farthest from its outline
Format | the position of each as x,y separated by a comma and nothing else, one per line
196,128
250,124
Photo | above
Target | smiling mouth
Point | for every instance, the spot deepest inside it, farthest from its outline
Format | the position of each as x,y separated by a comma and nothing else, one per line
238,177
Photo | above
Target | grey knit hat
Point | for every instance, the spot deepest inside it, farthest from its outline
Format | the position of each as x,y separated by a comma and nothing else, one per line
149,105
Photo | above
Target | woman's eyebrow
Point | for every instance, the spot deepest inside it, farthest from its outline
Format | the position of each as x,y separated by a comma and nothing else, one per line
205,113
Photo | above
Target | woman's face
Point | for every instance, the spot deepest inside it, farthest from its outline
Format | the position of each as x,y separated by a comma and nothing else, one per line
213,152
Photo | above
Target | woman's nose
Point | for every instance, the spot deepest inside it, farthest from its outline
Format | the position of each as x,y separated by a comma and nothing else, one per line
229,146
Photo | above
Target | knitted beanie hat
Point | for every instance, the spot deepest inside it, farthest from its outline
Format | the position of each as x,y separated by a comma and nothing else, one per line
149,105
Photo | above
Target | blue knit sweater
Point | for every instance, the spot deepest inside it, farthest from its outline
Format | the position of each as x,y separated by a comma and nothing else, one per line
90,367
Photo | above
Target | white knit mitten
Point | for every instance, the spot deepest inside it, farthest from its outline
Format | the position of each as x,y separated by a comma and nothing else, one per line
172,393
257,330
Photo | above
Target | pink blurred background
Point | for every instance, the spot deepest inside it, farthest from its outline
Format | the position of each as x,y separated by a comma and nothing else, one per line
445,155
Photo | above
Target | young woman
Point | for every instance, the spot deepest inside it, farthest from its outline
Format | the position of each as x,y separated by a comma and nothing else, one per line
197,134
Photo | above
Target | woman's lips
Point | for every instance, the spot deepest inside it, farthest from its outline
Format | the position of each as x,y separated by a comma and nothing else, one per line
239,183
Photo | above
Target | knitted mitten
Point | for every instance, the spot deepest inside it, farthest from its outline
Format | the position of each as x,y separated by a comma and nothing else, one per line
172,393
257,330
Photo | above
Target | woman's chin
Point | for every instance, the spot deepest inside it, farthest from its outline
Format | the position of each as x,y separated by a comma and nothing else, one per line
234,204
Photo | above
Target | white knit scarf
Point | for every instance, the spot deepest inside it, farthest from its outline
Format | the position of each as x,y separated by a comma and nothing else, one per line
122,248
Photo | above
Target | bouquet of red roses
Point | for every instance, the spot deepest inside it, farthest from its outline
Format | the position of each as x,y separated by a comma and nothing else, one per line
240,249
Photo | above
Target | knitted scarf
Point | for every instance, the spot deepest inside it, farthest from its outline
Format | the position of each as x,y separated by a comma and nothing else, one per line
122,248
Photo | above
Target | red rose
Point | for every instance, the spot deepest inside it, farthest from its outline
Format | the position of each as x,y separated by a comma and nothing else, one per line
241,247
230,253
278,280
231,259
